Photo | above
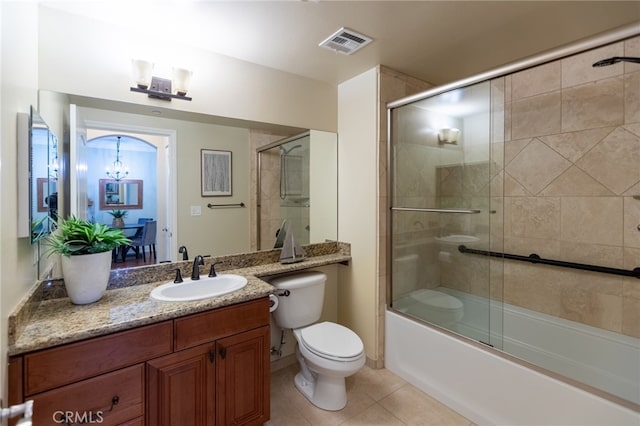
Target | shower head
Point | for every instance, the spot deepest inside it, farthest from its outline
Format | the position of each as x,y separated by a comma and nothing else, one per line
287,151
615,60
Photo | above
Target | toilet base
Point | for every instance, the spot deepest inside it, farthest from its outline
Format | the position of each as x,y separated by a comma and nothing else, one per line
327,393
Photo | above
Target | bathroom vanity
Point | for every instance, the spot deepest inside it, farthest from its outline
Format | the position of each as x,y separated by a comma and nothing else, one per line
131,360
201,369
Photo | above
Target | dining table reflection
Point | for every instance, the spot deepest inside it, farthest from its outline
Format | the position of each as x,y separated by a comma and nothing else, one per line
130,230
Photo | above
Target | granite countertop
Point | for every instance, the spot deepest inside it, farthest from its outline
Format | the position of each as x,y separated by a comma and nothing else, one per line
42,321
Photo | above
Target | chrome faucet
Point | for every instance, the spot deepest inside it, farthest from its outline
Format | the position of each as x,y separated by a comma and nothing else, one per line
197,262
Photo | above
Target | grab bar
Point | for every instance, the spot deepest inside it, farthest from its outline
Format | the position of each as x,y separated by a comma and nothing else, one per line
213,206
534,258
433,210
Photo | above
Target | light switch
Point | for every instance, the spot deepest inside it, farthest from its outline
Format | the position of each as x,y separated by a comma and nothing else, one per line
196,210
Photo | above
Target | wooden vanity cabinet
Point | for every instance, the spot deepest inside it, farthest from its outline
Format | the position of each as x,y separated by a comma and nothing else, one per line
224,381
204,369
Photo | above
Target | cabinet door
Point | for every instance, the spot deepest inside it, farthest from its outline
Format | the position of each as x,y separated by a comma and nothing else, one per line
180,388
242,378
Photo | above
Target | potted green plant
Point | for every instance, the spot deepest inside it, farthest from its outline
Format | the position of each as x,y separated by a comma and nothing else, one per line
118,218
85,250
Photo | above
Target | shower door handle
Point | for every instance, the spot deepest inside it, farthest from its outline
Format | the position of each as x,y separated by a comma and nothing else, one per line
430,210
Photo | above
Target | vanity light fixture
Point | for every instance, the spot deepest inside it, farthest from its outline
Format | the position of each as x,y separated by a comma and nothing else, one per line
448,135
160,88
119,171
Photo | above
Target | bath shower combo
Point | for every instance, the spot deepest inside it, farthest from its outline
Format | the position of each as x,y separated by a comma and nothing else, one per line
465,219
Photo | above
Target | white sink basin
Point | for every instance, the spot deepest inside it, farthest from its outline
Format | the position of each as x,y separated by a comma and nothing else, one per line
203,288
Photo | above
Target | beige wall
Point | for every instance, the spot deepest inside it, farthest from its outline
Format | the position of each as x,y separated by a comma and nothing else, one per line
19,76
357,201
89,58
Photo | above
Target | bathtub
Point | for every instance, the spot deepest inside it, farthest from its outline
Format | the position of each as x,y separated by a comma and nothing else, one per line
489,388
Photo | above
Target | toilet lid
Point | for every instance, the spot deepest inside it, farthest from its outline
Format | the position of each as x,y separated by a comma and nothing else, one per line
331,340
437,299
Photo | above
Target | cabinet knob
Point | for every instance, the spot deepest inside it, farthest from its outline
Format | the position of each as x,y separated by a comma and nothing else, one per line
223,353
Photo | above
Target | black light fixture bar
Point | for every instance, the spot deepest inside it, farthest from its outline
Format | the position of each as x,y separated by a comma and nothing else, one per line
534,258
160,95
160,89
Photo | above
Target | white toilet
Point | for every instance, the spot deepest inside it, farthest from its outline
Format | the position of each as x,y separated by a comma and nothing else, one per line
327,352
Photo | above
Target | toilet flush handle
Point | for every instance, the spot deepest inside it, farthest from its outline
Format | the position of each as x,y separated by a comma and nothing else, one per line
285,293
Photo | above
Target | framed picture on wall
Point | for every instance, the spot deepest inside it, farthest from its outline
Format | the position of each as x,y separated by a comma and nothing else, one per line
215,171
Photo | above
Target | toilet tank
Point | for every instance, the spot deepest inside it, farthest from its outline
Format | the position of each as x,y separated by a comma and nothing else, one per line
303,305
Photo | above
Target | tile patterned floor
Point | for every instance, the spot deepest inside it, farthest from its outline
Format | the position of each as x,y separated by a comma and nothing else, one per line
374,397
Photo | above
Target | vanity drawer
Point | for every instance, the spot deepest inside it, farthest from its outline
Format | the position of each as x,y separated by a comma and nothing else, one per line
70,363
208,326
109,399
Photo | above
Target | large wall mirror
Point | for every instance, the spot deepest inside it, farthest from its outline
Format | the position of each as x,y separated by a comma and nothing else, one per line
223,228
120,194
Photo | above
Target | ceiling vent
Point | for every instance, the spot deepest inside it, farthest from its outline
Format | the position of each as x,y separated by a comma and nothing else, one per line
346,41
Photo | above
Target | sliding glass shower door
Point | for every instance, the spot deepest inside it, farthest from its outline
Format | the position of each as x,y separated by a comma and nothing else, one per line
442,171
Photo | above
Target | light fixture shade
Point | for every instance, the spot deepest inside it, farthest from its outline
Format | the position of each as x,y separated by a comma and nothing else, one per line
448,135
181,80
141,71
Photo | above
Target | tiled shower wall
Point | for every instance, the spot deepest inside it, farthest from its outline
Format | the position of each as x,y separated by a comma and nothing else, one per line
571,184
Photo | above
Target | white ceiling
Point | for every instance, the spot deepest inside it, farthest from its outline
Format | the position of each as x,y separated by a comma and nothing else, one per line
436,41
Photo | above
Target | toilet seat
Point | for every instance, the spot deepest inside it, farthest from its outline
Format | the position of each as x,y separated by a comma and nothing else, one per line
332,341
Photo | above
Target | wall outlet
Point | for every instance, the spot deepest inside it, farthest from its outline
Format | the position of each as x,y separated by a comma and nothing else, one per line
196,210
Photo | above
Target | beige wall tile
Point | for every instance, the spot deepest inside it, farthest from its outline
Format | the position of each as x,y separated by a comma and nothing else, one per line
512,188
535,217
632,48
536,116
575,183
523,246
586,297
535,81
615,162
631,295
633,128
596,254
632,97
594,220
593,105
578,69
536,166
574,145
631,222
497,110
513,148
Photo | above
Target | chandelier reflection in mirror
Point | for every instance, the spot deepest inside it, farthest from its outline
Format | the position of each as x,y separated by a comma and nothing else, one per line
119,171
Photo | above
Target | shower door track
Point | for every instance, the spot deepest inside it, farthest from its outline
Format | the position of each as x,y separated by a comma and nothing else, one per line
534,258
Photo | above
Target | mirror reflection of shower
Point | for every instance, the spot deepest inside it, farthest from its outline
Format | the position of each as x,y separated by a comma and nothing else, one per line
285,176
284,190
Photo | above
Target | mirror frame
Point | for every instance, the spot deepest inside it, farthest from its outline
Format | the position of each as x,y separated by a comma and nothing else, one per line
102,192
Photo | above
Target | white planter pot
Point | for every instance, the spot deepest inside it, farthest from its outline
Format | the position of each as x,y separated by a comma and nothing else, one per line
86,276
